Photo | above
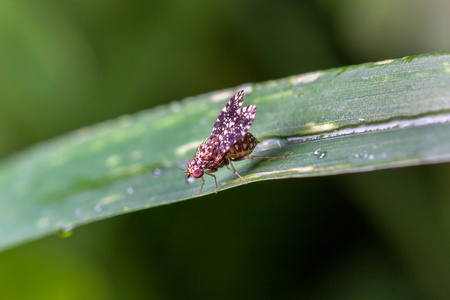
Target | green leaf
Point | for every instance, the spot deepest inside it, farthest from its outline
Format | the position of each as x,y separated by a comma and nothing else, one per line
388,114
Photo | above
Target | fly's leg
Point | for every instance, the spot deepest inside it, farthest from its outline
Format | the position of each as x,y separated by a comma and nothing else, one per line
203,183
234,170
246,157
209,173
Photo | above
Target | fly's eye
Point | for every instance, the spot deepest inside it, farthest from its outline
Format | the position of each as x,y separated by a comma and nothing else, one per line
198,173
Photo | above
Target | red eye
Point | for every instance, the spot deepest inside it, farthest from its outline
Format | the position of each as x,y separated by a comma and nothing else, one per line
198,173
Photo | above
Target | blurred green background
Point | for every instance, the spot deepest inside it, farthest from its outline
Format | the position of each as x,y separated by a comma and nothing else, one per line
68,64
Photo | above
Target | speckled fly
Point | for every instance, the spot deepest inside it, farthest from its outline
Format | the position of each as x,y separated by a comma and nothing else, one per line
229,141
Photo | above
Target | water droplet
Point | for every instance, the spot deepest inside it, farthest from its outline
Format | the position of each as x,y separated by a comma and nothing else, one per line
321,155
361,119
113,160
269,142
98,209
66,230
364,155
130,190
43,223
175,107
78,213
190,180
157,172
136,154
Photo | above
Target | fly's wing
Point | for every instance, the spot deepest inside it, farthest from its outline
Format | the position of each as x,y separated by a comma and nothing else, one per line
228,115
232,134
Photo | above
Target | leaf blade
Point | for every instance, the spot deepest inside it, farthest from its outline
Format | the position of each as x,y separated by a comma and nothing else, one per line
373,116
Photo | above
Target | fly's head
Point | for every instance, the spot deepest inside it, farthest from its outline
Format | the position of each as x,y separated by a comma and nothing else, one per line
193,169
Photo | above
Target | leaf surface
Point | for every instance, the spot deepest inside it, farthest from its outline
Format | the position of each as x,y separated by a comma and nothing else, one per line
394,113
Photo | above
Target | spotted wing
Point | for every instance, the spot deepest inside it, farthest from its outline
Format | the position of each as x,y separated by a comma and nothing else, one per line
234,131
228,115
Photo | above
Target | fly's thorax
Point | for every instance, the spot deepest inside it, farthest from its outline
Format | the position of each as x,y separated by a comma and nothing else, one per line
206,154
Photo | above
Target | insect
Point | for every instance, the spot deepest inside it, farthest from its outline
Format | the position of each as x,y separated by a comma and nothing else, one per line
229,141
